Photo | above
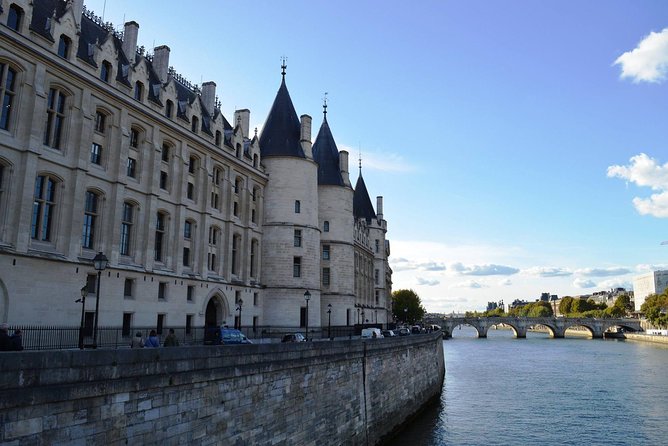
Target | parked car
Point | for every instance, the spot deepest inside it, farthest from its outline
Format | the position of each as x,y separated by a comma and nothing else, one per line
388,333
371,333
403,331
416,329
293,337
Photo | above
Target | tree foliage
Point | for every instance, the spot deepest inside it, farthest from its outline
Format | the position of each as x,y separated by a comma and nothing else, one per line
655,309
406,306
533,309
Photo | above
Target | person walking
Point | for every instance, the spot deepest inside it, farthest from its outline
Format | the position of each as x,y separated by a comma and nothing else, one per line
5,341
16,341
171,340
137,341
152,340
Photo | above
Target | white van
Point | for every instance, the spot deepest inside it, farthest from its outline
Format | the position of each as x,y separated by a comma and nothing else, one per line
371,333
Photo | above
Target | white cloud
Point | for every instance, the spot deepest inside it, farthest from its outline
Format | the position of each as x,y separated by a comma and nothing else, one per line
427,282
468,284
615,283
547,271
404,264
583,283
484,270
603,272
383,161
645,268
505,282
648,62
647,172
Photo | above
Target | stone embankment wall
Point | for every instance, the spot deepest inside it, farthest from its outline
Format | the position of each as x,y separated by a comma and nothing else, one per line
343,392
647,338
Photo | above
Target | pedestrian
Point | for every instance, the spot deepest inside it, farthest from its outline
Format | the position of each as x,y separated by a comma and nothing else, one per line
16,341
137,341
5,342
171,340
152,340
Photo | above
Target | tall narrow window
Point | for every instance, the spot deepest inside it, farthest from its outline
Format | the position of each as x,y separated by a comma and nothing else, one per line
325,227
134,138
190,293
219,138
298,206
297,267
192,164
253,258
96,153
162,291
128,288
187,230
169,108
90,217
325,252
165,153
126,228
186,256
8,92
127,325
132,168
64,45
195,124
298,238
235,254
139,91
100,121
14,17
164,184
55,118
43,208
159,236
105,71
325,277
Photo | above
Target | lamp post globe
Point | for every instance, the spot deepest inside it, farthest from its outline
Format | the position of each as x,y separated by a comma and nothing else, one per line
100,262
307,297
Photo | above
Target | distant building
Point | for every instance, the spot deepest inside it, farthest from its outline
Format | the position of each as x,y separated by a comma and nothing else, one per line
649,283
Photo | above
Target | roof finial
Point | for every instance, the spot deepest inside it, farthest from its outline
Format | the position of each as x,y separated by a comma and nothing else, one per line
324,105
256,132
360,152
284,65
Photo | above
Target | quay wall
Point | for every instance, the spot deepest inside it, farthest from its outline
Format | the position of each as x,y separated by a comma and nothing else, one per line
350,392
647,338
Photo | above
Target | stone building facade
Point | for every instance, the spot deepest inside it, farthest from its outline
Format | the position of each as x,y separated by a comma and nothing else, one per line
105,148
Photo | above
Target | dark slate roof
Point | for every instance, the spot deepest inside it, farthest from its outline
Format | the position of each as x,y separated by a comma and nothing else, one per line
326,155
362,207
91,34
42,11
281,131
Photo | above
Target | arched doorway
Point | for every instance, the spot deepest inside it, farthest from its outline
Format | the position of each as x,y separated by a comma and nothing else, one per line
216,311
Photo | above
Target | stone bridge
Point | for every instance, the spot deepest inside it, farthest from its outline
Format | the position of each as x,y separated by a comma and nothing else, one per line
557,326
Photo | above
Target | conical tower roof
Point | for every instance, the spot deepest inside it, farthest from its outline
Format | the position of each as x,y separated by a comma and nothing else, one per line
326,154
281,131
362,207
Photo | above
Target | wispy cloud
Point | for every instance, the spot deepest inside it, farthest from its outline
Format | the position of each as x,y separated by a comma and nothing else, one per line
383,161
603,272
645,268
583,283
505,282
404,264
484,270
468,284
646,172
648,62
547,271
615,283
427,282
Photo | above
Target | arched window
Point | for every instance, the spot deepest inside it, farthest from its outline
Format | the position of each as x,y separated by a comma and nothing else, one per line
55,118
135,135
169,109
14,17
139,91
194,126
326,226
160,236
90,220
7,92
127,222
64,46
100,121
105,71
43,208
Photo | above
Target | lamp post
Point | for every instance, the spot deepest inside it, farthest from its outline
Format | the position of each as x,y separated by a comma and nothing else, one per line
84,293
363,322
100,263
240,302
406,315
307,297
329,321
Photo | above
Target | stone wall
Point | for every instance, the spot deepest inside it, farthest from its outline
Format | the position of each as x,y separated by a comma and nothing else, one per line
343,392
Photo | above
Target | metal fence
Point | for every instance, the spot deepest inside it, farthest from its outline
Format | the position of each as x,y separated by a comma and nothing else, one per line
41,337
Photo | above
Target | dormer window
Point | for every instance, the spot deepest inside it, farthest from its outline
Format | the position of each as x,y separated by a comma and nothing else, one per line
139,91
219,138
14,17
169,109
195,124
64,45
105,71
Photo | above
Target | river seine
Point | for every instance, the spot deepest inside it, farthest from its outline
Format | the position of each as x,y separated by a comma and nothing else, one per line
542,391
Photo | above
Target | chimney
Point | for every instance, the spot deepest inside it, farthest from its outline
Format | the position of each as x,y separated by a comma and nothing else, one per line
343,166
77,10
379,207
130,40
209,96
161,62
306,136
242,118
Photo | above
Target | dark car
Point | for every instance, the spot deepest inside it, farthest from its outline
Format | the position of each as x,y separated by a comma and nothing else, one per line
388,333
403,331
217,336
293,337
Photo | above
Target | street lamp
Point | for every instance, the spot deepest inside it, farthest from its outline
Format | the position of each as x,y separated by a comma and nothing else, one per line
307,297
363,323
406,315
240,302
329,321
100,264
84,293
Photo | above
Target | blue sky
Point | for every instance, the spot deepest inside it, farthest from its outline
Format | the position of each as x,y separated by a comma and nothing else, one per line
520,146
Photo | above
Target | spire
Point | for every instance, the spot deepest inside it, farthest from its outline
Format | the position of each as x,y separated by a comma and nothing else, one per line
362,207
284,66
324,107
326,154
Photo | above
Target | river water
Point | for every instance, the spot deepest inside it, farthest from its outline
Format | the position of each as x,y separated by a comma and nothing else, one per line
543,391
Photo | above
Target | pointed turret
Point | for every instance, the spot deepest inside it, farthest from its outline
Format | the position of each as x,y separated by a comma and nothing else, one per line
326,154
362,207
281,132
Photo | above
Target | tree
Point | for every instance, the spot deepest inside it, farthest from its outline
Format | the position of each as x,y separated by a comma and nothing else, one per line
406,306
655,308
565,305
539,309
